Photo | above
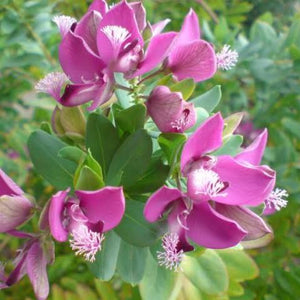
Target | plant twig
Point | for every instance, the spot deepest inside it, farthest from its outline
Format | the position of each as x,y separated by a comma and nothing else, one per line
207,8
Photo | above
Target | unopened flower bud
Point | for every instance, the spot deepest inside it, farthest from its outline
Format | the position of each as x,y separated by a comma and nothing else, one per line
169,111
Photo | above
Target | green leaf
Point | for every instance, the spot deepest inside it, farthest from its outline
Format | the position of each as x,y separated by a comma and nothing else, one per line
171,144
157,283
131,262
105,290
102,139
131,160
43,149
154,177
231,146
132,118
134,229
202,115
88,180
240,265
72,153
106,260
292,126
231,123
185,87
208,100
123,96
207,272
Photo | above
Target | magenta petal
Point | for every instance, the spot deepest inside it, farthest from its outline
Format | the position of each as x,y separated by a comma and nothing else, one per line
178,213
207,138
195,60
121,15
36,262
158,27
258,233
78,62
8,186
254,152
158,49
87,29
158,202
20,267
247,184
104,94
14,210
106,205
140,14
77,94
210,229
190,30
100,6
56,210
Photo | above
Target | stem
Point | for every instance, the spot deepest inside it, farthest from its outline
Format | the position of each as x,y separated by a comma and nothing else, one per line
150,76
122,87
178,183
209,10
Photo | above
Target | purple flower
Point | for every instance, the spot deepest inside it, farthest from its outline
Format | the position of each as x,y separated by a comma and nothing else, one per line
169,111
15,208
212,213
190,56
85,218
104,41
32,260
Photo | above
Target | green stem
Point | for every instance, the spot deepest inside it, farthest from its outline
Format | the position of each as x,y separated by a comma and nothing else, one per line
159,71
122,87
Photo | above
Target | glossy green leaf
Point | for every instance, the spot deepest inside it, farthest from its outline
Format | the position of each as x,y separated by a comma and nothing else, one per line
131,262
208,100
106,260
207,272
154,177
102,139
132,118
43,149
134,229
131,160
72,153
171,144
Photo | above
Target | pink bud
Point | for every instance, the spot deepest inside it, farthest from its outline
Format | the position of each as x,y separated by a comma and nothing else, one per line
15,209
169,111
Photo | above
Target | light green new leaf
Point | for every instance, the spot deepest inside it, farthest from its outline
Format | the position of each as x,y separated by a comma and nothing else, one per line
207,272
185,87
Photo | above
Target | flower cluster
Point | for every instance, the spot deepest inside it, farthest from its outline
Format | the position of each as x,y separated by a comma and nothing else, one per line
206,197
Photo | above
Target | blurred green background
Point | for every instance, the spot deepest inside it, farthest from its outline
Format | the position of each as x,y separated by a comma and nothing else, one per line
265,84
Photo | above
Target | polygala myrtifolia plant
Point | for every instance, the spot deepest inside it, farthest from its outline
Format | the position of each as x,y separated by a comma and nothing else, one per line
150,178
